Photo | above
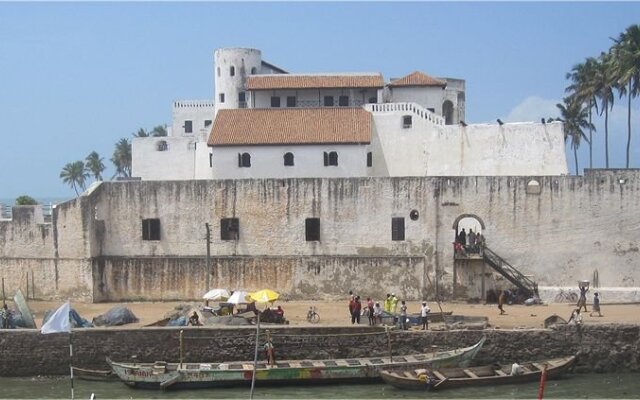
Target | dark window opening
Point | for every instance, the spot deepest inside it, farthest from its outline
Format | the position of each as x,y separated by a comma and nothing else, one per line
414,215
229,229
218,71
291,101
330,158
328,101
242,100
244,160
232,70
275,101
406,121
288,159
210,160
253,70
188,126
207,122
373,100
433,110
369,159
151,229
312,229
162,146
343,101
397,228
221,97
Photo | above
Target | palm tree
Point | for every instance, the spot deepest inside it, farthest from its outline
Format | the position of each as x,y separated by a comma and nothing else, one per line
122,158
141,133
159,131
74,175
94,165
626,70
582,77
574,114
603,86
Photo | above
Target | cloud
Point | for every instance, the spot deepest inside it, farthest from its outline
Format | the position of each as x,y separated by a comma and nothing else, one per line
532,109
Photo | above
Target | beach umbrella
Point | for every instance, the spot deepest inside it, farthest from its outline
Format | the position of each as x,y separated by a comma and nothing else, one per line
239,297
264,296
216,294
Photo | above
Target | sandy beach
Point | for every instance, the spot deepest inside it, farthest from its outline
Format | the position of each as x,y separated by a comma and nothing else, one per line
336,312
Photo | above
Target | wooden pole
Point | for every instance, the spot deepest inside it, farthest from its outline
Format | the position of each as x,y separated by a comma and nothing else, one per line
71,364
386,328
208,280
181,347
543,379
255,358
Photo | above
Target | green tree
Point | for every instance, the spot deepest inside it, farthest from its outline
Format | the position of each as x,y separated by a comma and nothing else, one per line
159,131
25,200
75,175
574,114
122,158
94,165
141,133
625,66
582,77
603,85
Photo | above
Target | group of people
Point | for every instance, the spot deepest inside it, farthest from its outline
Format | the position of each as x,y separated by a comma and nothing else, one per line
471,242
576,317
374,311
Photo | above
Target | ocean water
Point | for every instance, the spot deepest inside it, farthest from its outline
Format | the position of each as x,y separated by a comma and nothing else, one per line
571,386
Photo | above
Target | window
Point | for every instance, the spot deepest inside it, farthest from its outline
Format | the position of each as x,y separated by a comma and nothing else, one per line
188,126
312,229
221,97
275,101
343,101
373,100
253,70
151,229
229,229
433,110
291,101
406,121
328,101
162,146
397,228
232,70
288,159
207,122
218,71
330,158
210,160
242,100
244,160
369,159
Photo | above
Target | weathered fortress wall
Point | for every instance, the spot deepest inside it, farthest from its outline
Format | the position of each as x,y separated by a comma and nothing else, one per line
27,353
559,231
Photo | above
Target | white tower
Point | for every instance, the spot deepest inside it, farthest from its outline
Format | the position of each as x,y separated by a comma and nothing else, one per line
231,68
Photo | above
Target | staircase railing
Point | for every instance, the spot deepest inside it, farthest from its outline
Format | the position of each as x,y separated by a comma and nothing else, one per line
414,108
510,273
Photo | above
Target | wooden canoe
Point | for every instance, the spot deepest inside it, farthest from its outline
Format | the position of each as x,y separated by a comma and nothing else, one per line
94,374
163,375
446,378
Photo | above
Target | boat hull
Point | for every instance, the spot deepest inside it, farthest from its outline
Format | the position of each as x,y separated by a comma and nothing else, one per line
410,380
292,372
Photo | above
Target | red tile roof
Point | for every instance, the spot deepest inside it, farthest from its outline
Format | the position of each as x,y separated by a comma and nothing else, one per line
288,81
417,78
269,126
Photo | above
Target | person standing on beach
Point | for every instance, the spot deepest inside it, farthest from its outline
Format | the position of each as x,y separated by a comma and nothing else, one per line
355,311
582,301
387,303
394,303
596,305
424,313
403,316
377,313
370,305
501,300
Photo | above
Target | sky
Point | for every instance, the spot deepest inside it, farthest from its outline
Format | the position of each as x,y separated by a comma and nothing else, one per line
77,77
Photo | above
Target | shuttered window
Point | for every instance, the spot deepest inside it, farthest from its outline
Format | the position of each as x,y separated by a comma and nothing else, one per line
397,228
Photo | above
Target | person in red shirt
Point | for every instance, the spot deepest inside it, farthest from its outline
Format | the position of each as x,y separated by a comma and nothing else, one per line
355,310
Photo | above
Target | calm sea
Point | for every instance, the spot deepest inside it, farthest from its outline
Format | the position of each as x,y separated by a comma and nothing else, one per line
569,387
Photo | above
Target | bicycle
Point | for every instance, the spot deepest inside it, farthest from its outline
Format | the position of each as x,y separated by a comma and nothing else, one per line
313,316
567,296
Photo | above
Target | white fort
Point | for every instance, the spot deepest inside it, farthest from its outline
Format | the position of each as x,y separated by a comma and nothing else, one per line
264,122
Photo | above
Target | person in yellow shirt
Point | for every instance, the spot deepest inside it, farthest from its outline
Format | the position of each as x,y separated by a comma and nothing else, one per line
387,303
394,303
